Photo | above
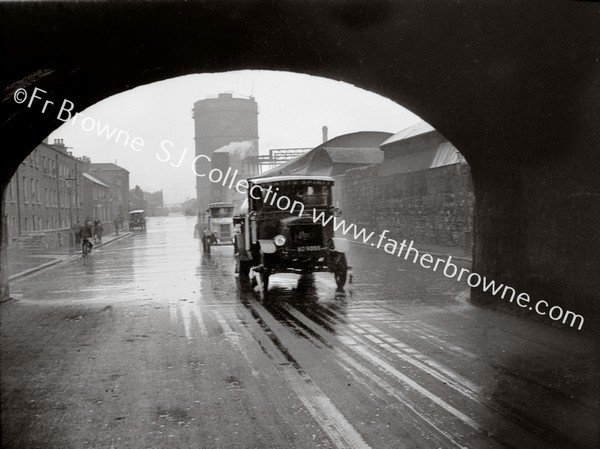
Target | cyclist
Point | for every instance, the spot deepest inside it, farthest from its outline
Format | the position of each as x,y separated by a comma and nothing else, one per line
87,231
86,247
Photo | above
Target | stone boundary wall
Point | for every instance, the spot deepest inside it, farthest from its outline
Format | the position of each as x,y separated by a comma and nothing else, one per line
44,241
432,206
39,242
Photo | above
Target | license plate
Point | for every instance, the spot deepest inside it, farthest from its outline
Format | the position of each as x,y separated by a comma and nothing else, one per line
309,248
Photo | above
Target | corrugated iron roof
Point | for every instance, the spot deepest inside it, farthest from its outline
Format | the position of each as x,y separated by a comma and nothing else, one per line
412,131
446,154
443,154
357,140
94,180
355,155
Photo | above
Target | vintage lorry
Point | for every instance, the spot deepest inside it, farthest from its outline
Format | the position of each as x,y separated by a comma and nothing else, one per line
286,225
215,226
220,222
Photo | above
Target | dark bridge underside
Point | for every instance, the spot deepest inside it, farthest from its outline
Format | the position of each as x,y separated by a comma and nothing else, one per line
514,85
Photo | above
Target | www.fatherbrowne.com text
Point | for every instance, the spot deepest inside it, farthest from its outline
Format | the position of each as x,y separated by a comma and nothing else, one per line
407,251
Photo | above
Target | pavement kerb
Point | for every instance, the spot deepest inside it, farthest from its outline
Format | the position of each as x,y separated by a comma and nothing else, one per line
57,261
463,258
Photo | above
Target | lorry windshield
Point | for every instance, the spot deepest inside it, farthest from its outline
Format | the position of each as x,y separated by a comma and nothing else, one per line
310,195
221,212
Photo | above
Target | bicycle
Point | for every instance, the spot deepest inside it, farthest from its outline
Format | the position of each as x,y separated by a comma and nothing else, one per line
86,248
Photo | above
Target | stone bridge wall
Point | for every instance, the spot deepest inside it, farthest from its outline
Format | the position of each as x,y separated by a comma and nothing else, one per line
432,206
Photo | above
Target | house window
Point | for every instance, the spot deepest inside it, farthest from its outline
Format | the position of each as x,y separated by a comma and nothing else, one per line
25,199
12,194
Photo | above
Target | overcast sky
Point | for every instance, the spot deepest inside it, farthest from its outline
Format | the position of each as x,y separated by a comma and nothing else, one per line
293,109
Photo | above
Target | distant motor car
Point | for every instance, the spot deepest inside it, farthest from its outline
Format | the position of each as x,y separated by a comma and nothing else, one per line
137,219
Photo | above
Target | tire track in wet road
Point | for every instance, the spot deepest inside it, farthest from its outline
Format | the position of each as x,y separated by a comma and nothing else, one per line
368,341
320,407
348,342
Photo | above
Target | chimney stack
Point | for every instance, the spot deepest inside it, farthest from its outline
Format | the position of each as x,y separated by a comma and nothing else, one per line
87,164
325,138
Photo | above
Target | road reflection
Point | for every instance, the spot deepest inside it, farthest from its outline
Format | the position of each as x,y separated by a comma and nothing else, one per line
300,294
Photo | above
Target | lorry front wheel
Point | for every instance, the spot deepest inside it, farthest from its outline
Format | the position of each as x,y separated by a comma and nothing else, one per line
340,269
264,280
245,266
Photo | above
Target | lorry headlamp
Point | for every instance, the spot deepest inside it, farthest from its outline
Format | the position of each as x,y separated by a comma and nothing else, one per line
337,211
279,240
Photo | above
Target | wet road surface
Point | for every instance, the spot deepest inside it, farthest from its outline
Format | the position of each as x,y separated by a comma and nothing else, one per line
153,344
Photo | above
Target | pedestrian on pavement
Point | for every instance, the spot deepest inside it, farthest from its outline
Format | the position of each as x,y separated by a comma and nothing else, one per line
116,225
208,239
99,231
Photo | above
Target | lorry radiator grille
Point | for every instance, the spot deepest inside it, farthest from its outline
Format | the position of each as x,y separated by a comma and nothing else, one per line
304,237
225,231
